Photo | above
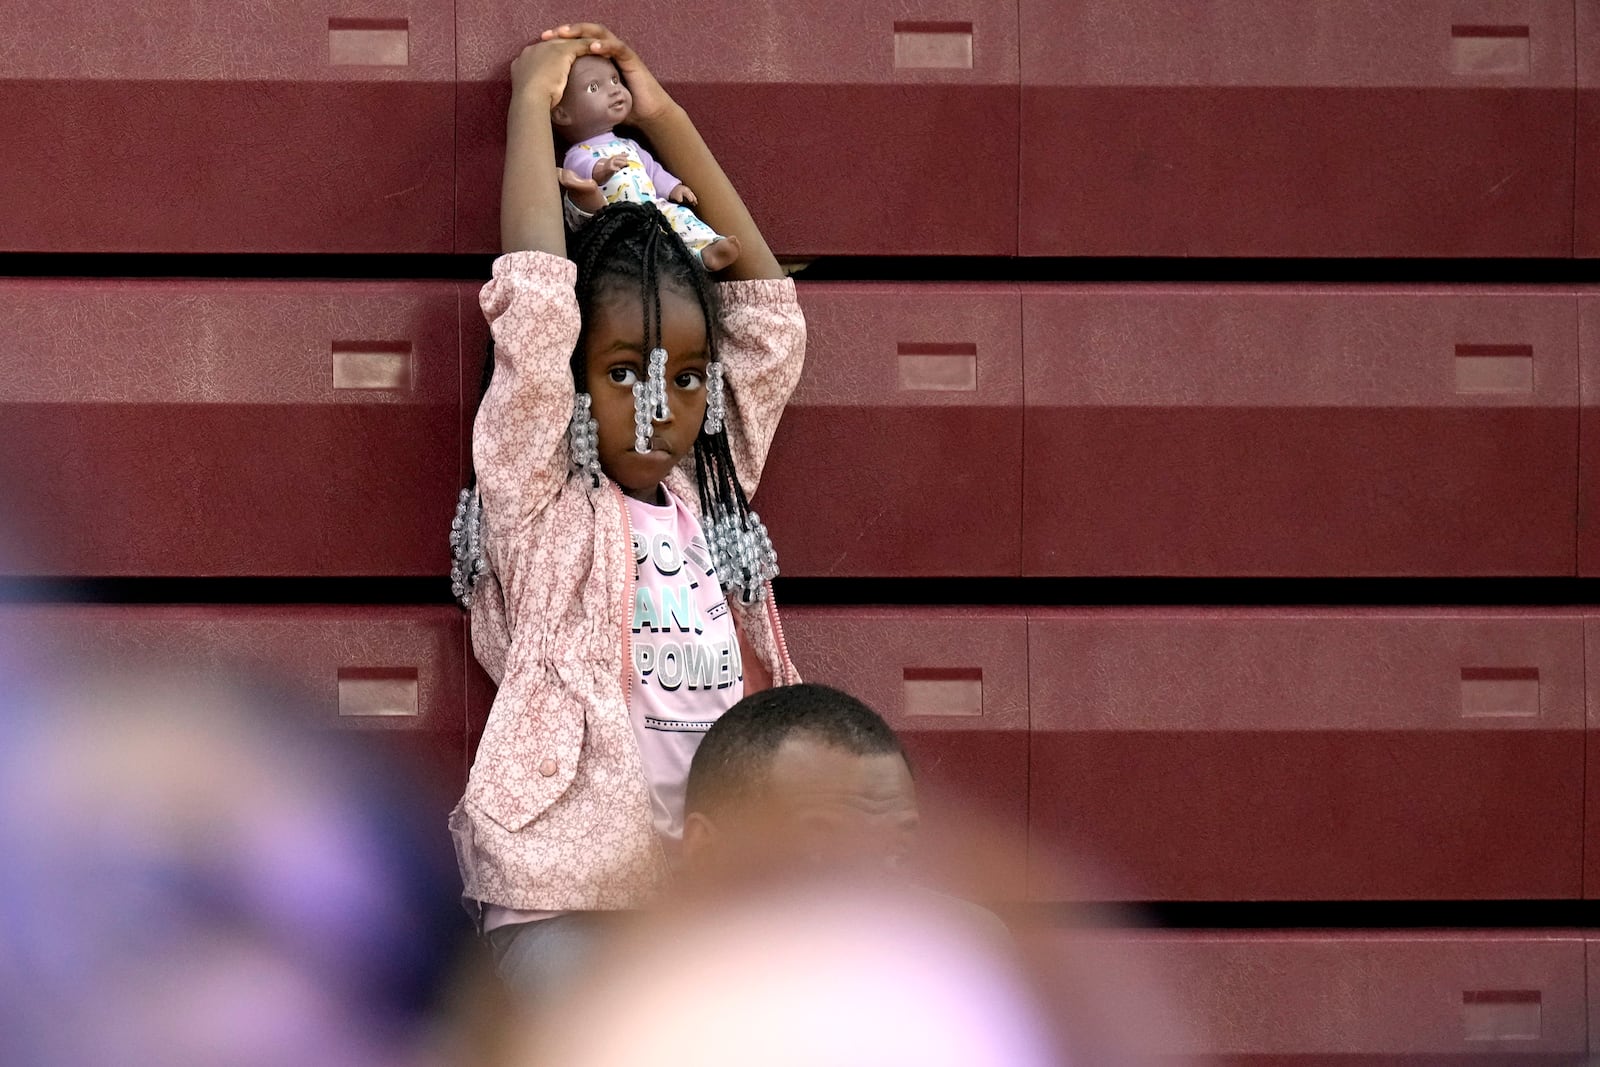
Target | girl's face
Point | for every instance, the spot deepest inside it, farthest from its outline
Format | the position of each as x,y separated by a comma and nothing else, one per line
616,359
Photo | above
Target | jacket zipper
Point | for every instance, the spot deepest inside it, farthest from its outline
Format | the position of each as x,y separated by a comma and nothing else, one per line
784,664
629,566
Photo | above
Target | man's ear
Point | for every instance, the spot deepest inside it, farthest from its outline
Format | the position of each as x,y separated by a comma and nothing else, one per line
560,116
699,836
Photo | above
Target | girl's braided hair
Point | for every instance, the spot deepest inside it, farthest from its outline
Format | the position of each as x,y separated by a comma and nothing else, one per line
631,248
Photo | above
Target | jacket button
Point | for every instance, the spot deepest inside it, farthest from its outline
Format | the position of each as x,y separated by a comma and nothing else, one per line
548,767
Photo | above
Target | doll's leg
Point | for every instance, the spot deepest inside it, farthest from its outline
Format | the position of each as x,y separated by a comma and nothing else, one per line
695,233
720,254
715,251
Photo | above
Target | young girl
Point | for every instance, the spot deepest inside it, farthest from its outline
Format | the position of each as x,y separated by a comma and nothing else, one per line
625,603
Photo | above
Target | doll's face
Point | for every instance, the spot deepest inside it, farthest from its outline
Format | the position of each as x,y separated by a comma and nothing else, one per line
615,359
594,102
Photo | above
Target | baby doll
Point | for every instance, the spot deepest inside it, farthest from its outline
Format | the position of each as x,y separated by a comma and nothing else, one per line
595,102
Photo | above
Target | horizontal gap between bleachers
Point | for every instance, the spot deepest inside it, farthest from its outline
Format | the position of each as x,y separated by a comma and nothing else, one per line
823,592
1208,271
1314,915
358,266
1019,269
1199,592
225,591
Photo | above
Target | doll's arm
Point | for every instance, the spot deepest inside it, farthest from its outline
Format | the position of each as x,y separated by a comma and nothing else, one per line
660,177
669,128
590,167
580,162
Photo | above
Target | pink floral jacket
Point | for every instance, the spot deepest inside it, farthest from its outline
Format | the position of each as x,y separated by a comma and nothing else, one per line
556,815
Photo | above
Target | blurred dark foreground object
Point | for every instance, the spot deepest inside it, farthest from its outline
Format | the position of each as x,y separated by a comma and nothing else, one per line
193,876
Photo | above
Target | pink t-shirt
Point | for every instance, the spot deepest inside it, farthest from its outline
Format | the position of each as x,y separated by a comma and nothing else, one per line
687,667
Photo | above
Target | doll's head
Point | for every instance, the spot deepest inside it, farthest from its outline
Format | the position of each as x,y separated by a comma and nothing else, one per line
640,290
595,100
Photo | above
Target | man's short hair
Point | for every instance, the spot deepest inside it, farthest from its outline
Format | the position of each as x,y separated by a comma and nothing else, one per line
734,758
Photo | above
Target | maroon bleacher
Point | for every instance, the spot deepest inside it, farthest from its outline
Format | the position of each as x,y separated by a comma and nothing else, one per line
1301,431
395,673
1303,998
173,126
1292,754
1243,128
901,452
204,428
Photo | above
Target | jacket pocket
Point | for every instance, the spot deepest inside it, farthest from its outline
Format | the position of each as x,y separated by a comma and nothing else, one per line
527,761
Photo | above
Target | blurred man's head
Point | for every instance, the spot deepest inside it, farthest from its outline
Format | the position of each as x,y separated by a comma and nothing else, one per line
799,777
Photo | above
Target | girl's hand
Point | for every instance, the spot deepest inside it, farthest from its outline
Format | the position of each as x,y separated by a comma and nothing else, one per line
650,100
684,195
542,68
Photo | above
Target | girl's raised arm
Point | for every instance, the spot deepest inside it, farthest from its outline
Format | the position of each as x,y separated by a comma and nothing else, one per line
519,440
681,149
530,198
